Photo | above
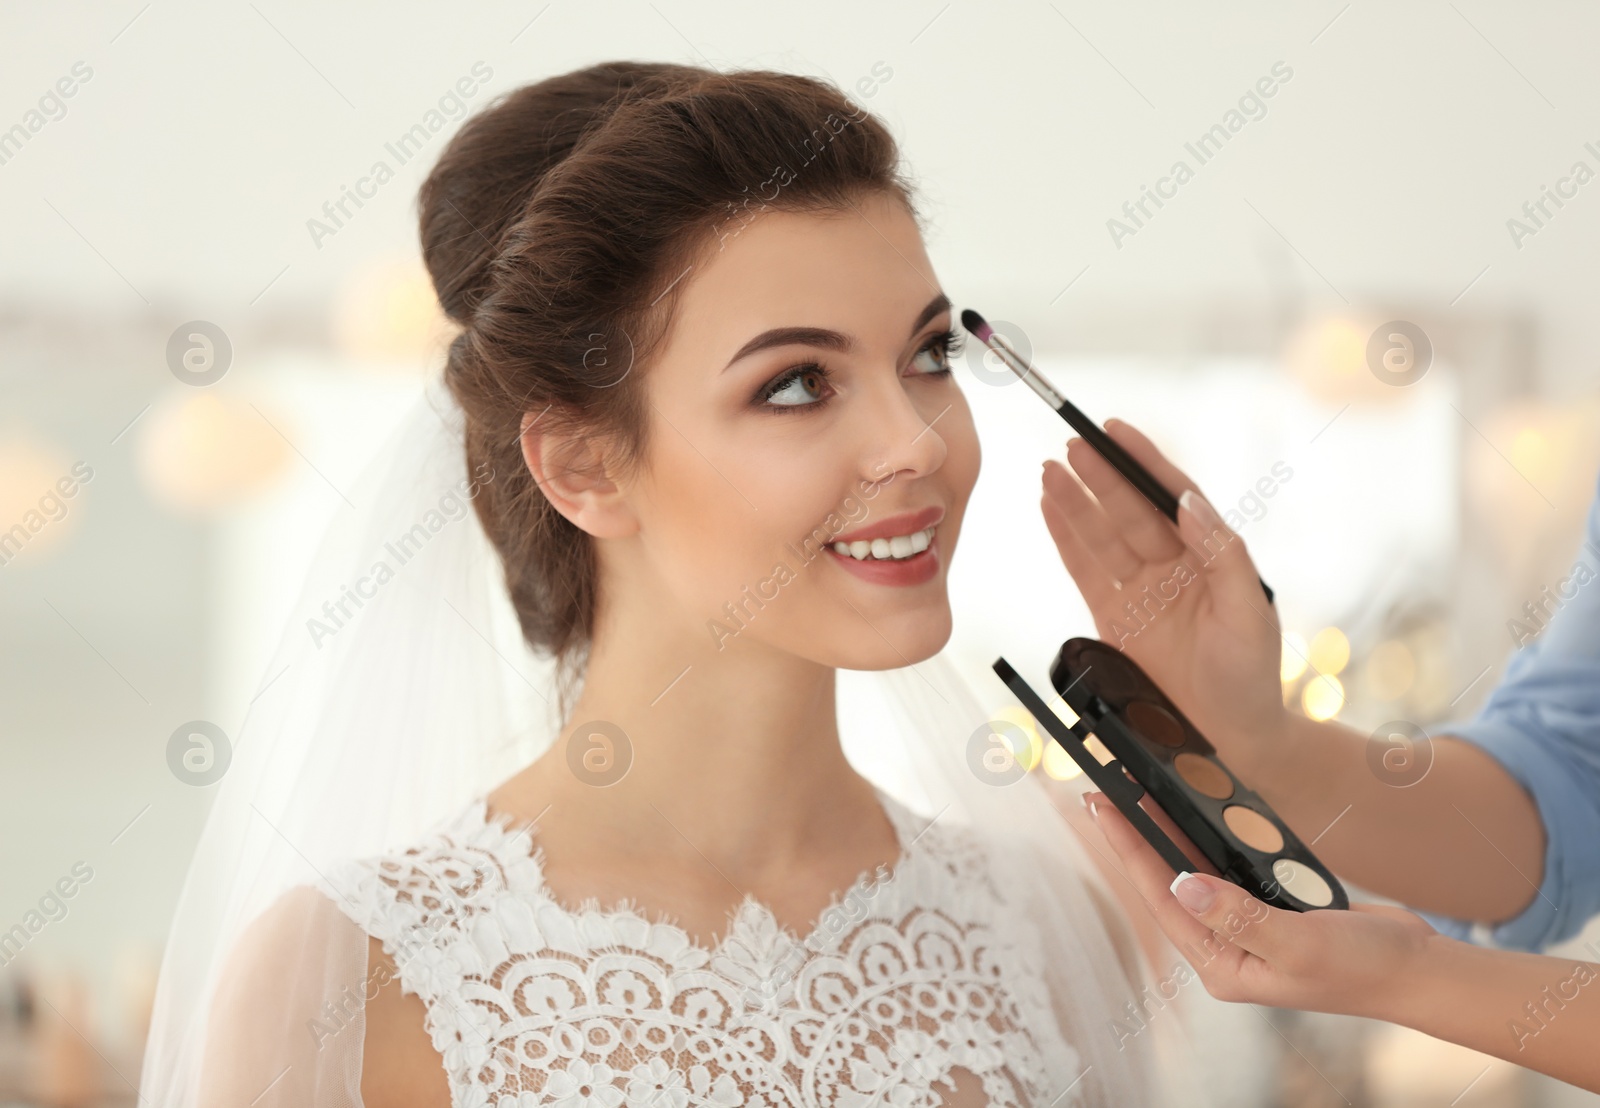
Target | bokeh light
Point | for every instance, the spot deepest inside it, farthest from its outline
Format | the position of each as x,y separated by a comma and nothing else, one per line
199,451
1551,447
1058,764
1323,697
388,314
1294,657
1329,652
29,498
1328,356
1023,719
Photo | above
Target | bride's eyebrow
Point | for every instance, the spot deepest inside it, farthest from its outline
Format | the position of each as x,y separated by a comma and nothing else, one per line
822,336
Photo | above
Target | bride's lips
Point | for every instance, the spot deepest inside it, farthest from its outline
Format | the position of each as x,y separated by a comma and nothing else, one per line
920,567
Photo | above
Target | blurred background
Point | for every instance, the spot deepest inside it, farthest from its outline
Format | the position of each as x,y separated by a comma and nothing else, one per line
1360,316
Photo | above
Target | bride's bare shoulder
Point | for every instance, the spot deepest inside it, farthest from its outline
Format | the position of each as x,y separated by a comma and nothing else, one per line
308,1005
401,1068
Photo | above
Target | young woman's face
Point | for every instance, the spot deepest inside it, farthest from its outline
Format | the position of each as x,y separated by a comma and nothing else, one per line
804,396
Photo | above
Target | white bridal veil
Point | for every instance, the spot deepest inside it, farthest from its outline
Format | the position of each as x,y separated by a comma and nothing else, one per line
402,689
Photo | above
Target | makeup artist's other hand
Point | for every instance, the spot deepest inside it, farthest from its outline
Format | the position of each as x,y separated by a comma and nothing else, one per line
1356,962
1183,601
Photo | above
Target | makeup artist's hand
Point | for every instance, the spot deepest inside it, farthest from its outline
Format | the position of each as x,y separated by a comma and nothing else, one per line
1355,962
1183,601
1372,960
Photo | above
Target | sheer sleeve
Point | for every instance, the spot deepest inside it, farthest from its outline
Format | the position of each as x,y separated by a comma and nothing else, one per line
287,1021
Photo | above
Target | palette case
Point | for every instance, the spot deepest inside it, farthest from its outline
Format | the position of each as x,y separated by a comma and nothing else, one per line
1155,748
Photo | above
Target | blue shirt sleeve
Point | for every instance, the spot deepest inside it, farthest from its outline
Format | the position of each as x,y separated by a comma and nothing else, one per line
1542,723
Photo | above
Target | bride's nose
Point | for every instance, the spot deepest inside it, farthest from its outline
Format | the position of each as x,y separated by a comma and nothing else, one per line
903,430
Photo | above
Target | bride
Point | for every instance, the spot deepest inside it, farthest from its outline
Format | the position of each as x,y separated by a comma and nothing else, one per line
616,761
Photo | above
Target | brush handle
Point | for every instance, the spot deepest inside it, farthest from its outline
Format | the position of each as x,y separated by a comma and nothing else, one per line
1127,465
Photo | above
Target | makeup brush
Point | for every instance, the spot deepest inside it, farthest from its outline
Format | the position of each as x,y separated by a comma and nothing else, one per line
1107,447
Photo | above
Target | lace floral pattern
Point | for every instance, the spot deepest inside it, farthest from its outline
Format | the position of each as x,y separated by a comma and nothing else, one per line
903,983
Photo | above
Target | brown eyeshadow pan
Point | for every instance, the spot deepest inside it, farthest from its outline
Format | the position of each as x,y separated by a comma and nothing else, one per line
1253,829
1204,775
1154,722
1113,675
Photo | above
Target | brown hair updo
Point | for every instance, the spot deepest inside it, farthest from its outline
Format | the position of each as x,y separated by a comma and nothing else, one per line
556,225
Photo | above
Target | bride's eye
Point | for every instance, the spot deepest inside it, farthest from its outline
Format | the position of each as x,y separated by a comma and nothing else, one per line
934,359
806,385
798,387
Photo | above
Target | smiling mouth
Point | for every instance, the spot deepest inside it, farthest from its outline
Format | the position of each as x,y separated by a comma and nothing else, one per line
893,549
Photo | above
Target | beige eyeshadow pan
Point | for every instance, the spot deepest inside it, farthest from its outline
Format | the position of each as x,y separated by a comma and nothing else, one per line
1204,775
1302,882
1253,829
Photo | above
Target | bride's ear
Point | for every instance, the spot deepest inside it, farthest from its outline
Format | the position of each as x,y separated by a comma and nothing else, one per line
574,472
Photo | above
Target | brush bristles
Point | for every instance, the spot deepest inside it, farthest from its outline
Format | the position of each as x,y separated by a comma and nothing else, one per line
974,322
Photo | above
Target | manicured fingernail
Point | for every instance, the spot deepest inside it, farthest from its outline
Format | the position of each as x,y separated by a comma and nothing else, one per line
1200,508
1193,893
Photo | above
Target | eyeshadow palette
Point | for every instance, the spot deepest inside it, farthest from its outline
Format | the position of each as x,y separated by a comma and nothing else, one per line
1156,750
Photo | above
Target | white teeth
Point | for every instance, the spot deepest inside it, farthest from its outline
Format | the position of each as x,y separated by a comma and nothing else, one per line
901,546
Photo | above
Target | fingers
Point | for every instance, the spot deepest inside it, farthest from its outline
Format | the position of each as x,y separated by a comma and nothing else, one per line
1247,950
1088,520
1149,875
1145,452
1244,920
1098,587
1140,523
1221,554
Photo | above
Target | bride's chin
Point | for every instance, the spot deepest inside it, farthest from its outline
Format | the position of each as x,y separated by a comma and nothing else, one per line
897,639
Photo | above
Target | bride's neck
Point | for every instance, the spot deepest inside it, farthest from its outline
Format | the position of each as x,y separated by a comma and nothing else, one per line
737,749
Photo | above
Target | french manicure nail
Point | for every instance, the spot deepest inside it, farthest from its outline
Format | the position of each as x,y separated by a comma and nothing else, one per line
1200,508
1193,893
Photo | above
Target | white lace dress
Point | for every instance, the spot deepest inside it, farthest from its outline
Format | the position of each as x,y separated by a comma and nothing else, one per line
903,988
